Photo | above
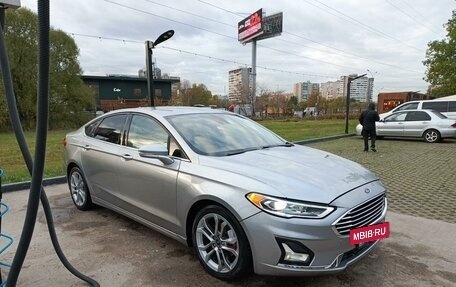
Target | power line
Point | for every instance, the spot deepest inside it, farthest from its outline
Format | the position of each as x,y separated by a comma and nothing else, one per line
168,19
359,23
413,18
424,18
220,34
200,55
316,42
193,14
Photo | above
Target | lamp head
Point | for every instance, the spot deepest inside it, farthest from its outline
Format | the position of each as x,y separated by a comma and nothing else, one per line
163,37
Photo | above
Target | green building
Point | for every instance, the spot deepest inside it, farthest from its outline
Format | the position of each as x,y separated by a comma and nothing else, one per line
116,92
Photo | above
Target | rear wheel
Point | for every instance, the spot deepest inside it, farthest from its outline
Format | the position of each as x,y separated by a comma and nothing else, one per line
431,136
221,244
79,190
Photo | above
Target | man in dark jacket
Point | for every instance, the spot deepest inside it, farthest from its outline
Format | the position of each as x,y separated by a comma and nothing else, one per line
367,119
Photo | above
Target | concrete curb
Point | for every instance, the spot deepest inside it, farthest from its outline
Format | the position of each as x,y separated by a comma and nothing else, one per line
316,140
26,184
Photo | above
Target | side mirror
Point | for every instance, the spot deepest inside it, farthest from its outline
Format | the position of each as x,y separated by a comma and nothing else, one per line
156,151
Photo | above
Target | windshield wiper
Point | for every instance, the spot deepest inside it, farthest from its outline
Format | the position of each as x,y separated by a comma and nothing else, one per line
287,144
240,151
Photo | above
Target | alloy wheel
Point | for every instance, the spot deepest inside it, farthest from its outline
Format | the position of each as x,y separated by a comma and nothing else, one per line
217,243
78,191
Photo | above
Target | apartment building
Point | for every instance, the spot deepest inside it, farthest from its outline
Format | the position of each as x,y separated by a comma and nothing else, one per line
240,84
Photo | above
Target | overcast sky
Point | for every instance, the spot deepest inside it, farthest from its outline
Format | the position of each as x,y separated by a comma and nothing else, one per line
321,39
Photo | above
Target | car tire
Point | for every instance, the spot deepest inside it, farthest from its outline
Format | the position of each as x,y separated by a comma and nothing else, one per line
431,136
79,190
221,244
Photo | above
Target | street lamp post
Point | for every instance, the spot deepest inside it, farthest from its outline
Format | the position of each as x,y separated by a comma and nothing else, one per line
347,110
149,52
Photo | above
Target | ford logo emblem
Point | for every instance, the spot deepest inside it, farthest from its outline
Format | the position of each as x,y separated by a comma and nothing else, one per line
367,190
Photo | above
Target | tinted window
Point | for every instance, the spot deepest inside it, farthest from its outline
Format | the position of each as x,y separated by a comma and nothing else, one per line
110,129
438,106
417,116
409,106
145,131
452,106
400,117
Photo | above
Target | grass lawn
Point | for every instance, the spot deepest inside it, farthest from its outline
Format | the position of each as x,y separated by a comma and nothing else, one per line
297,129
13,164
15,170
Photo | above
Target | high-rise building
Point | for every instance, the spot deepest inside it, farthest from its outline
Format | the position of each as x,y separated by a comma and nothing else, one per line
361,89
240,84
303,90
331,90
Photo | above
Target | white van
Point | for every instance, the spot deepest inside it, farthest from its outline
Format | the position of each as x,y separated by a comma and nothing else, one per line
445,105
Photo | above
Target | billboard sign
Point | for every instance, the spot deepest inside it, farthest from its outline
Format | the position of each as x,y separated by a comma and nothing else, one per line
272,26
250,27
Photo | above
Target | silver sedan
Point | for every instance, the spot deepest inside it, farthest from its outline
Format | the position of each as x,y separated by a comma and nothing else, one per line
430,125
244,198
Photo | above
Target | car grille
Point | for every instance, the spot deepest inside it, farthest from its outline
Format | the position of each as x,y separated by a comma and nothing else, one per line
362,215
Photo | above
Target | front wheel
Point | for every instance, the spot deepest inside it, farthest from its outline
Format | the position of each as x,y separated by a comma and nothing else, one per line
431,136
79,190
221,244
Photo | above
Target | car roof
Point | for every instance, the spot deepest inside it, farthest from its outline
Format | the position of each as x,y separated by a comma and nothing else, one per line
429,111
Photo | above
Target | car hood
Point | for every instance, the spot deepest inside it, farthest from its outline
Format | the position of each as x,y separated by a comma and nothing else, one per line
296,172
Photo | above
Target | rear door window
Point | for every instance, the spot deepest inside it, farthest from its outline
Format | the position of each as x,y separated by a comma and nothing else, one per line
417,116
438,106
111,129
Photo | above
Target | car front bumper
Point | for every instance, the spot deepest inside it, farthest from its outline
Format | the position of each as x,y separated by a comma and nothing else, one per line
328,251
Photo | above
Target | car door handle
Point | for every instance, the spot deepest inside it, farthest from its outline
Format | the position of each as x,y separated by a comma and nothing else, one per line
87,147
127,156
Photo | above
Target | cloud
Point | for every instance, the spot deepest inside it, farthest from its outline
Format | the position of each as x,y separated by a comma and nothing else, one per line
322,40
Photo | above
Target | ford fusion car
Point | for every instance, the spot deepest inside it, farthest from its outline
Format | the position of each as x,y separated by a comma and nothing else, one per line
244,198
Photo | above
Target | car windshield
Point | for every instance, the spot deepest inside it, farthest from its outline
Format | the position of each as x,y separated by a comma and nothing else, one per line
223,134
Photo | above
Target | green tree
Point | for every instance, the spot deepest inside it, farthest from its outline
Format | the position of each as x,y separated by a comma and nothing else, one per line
68,94
199,94
441,62
293,102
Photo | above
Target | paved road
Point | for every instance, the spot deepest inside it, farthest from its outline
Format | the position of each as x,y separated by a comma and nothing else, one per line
420,177
117,251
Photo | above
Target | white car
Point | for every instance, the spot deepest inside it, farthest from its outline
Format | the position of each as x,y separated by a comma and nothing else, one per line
445,105
430,125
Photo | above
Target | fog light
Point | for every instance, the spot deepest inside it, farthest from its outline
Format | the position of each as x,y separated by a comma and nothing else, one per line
290,255
294,252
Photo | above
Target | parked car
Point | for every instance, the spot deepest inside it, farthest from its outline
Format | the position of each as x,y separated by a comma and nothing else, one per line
244,198
445,105
430,125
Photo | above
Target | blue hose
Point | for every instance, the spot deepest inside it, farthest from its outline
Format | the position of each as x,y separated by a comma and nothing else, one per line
9,240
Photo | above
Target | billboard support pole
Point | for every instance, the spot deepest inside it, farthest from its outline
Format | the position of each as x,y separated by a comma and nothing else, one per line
253,73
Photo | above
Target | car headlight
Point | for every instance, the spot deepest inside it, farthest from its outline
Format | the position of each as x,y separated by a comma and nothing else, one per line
288,208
